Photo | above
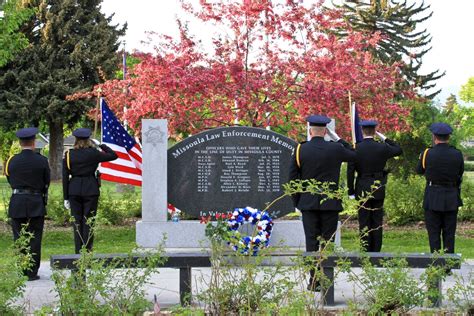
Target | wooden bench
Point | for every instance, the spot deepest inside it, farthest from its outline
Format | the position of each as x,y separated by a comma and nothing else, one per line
187,260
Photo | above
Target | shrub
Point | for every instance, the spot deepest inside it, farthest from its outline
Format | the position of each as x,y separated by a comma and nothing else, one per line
114,210
12,280
404,199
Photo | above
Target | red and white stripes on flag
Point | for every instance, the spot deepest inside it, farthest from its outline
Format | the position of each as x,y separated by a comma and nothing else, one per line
127,168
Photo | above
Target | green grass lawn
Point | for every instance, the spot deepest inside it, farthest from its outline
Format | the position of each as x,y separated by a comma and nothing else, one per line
122,240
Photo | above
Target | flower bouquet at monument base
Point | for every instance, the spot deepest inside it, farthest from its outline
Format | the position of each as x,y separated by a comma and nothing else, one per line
227,229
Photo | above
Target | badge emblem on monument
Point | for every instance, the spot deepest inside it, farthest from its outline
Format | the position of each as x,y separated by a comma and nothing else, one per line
154,136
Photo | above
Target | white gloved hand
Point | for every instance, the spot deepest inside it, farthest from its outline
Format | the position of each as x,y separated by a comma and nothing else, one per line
95,141
67,205
381,136
352,197
333,135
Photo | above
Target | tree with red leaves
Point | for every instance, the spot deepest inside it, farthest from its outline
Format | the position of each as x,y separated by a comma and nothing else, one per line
272,64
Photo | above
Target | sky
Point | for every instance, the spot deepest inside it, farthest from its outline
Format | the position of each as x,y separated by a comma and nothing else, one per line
450,26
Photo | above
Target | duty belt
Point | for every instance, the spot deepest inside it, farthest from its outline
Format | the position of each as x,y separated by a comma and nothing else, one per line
27,191
442,184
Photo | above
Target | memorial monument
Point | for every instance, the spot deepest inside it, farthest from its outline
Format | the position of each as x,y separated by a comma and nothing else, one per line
213,171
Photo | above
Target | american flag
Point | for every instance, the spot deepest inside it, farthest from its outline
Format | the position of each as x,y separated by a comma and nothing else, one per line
127,168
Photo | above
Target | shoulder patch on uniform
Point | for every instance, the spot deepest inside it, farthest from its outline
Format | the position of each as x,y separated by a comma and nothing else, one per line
7,164
423,158
68,160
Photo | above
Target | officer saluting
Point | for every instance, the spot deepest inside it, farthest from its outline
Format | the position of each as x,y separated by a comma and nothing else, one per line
29,175
81,184
320,160
371,157
443,167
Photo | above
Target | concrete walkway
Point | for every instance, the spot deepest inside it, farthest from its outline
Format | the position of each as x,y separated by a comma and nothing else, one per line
165,285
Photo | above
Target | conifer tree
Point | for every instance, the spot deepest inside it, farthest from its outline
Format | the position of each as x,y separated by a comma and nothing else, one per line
402,39
73,47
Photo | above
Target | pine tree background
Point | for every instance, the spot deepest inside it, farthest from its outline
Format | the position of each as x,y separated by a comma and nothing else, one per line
72,47
402,39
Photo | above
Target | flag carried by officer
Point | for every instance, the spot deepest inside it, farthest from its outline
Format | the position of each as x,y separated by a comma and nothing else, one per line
127,168
356,129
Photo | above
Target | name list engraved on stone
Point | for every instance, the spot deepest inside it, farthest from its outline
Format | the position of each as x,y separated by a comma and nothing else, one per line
224,168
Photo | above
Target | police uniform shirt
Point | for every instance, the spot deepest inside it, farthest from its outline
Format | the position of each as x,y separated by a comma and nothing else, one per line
443,167
371,158
320,160
28,170
81,165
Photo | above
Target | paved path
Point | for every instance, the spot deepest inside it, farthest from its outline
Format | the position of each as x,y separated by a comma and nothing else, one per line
165,285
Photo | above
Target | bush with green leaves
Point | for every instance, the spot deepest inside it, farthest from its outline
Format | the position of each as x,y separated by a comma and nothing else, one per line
462,293
102,287
12,279
393,290
404,200
113,208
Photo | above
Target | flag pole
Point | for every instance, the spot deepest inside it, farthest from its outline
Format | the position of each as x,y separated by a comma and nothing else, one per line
352,116
96,121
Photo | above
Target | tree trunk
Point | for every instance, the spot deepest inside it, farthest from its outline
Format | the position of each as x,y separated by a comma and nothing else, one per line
56,145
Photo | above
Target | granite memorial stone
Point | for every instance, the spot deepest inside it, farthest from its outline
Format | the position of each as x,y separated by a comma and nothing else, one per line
224,168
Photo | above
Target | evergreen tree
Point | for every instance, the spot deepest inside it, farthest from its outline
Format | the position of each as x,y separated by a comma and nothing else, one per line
73,46
451,103
397,23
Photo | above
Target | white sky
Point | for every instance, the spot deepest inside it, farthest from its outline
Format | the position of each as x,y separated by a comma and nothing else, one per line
450,26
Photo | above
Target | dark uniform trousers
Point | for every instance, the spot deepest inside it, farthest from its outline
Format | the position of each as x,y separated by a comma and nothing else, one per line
33,225
319,224
441,224
84,210
371,225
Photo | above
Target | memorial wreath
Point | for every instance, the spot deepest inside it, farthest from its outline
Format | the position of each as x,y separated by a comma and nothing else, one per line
263,224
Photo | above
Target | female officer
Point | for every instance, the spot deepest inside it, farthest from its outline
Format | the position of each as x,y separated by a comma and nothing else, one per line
81,184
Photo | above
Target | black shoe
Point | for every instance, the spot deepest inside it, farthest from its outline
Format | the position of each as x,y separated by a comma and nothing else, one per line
33,277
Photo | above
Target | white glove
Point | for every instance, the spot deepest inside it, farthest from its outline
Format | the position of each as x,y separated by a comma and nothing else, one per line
67,205
381,136
333,135
352,197
95,141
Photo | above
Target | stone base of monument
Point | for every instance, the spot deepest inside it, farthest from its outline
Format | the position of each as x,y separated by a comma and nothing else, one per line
190,234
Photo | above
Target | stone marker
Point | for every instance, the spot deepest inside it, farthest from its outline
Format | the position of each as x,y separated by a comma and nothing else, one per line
240,167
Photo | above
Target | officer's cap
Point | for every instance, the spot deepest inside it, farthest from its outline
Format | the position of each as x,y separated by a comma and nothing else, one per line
441,129
27,133
368,123
318,120
82,132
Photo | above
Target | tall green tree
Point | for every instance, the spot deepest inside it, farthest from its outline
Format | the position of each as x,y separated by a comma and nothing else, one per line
12,16
73,47
467,91
403,41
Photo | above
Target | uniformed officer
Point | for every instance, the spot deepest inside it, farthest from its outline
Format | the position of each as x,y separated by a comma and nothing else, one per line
81,184
443,167
29,175
371,157
320,160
